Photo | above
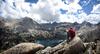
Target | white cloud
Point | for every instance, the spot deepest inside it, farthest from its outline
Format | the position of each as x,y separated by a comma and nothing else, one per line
48,10
93,18
72,18
72,7
67,18
96,9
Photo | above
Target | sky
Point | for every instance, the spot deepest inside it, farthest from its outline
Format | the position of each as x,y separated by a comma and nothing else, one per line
44,11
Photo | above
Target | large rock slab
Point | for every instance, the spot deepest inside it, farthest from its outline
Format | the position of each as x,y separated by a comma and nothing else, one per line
24,48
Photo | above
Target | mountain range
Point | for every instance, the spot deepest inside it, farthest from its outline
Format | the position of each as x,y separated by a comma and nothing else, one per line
15,31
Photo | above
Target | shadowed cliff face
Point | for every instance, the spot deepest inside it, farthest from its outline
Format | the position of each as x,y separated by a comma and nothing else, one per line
2,22
91,35
8,38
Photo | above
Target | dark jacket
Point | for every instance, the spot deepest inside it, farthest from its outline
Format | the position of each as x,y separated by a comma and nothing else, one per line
71,33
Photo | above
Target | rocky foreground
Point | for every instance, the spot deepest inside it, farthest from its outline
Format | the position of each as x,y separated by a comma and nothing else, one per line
76,46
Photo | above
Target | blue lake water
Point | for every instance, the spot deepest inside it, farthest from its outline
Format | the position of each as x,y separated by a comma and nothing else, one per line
49,42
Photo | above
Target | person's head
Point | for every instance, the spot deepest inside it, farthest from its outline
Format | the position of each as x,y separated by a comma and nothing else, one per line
70,28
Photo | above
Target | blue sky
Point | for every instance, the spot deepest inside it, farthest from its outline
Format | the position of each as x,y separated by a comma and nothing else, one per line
52,10
31,1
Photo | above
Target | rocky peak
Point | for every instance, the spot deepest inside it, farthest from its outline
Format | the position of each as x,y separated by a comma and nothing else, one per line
2,22
28,21
76,23
85,23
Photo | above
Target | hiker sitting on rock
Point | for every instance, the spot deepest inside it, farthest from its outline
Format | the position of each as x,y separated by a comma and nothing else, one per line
71,34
